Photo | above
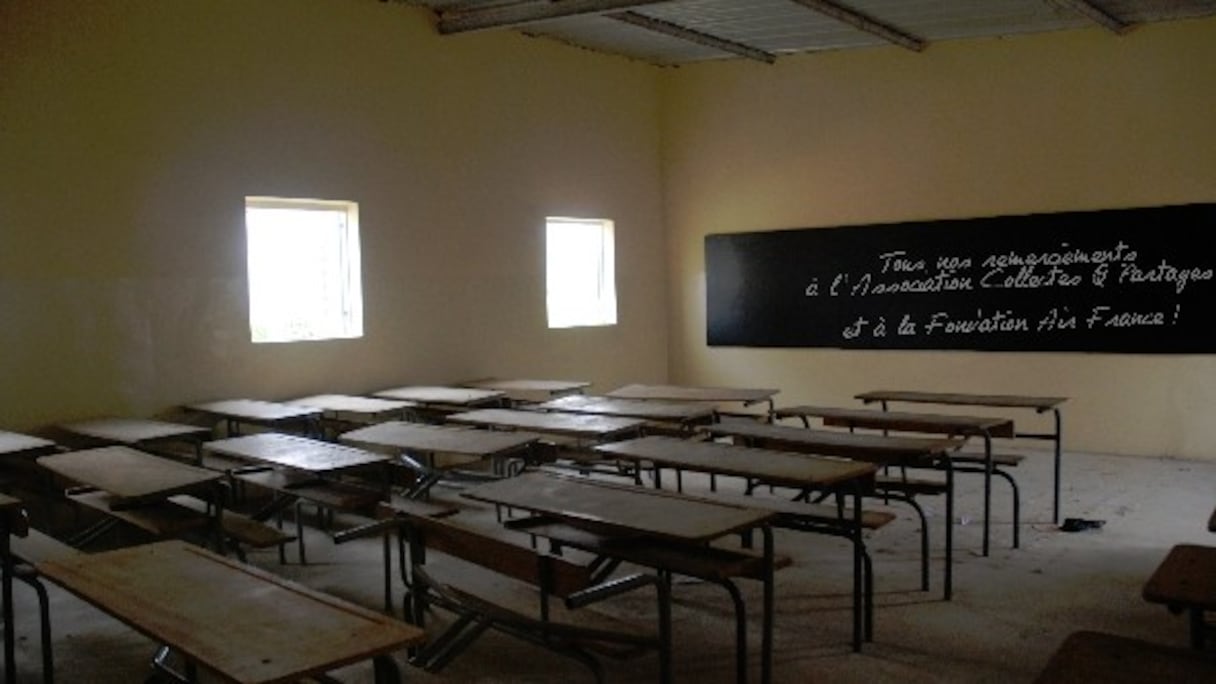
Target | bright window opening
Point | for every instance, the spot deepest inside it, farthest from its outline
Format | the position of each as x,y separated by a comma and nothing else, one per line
581,272
304,278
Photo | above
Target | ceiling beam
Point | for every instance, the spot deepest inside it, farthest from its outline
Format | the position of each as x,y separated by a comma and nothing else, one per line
865,23
693,36
1096,14
455,21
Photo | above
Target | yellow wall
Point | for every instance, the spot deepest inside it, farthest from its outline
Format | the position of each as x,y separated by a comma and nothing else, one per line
132,130
1053,122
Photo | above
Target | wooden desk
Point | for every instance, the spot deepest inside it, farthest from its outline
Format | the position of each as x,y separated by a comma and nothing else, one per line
241,623
778,468
530,391
744,396
264,413
443,400
1087,657
135,479
682,414
985,427
1186,581
302,454
632,511
880,449
341,409
16,444
12,519
410,440
579,427
1037,404
136,431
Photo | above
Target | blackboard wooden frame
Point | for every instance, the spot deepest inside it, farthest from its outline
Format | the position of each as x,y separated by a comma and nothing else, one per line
1120,280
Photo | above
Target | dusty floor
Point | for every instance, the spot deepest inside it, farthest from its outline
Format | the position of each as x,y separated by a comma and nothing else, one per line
1010,610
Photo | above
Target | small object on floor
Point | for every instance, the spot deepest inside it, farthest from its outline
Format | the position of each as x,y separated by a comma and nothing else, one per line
1080,524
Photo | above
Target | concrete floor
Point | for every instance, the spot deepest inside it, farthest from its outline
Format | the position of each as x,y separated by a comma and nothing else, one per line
1010,610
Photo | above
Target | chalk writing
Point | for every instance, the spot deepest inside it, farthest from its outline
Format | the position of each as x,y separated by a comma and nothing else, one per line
1120,280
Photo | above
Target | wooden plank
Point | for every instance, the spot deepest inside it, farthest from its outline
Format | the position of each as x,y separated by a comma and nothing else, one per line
1095,657
451,396
13,443
625,508
127,473
862,446
771,467
681,412
445,439
944,424
565,424
345,403
682,393
158,518
958,399
291,451
255,411
133,430
242,623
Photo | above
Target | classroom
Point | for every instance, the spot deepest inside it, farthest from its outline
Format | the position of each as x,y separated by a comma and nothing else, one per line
135,136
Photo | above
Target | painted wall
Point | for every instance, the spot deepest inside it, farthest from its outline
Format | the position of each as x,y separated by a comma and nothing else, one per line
132,130
1053,122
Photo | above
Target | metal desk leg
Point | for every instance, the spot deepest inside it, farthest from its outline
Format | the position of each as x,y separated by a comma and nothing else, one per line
766,636
1059,437
859,606
987,487
948,592
6,595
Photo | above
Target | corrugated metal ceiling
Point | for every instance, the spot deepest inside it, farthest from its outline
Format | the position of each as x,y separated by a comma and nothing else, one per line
685,31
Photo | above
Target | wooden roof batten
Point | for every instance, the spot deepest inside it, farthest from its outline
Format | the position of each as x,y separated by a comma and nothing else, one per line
864,22
676,31
1096,14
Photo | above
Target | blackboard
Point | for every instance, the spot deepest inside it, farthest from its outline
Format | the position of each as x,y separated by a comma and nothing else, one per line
1120,280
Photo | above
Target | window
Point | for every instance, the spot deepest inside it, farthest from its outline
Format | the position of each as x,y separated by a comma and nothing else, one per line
304,281
580,275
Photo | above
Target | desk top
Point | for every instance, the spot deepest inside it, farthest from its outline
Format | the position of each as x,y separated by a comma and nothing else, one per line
241,622
1110,659
1186,576
15,443
126,473
291,451
9,502
771,467
133,430
345,403
996,400
862,446
526,390
565,424
681,393
908,422
625,509
445,439
682,412
452,396
256,411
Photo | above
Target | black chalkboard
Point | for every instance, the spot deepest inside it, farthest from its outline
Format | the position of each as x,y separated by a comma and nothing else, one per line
1126,280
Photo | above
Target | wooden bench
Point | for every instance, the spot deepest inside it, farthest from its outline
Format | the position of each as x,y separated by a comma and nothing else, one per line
1110,659
1186,581
180,516
540,576
709,563
327,495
